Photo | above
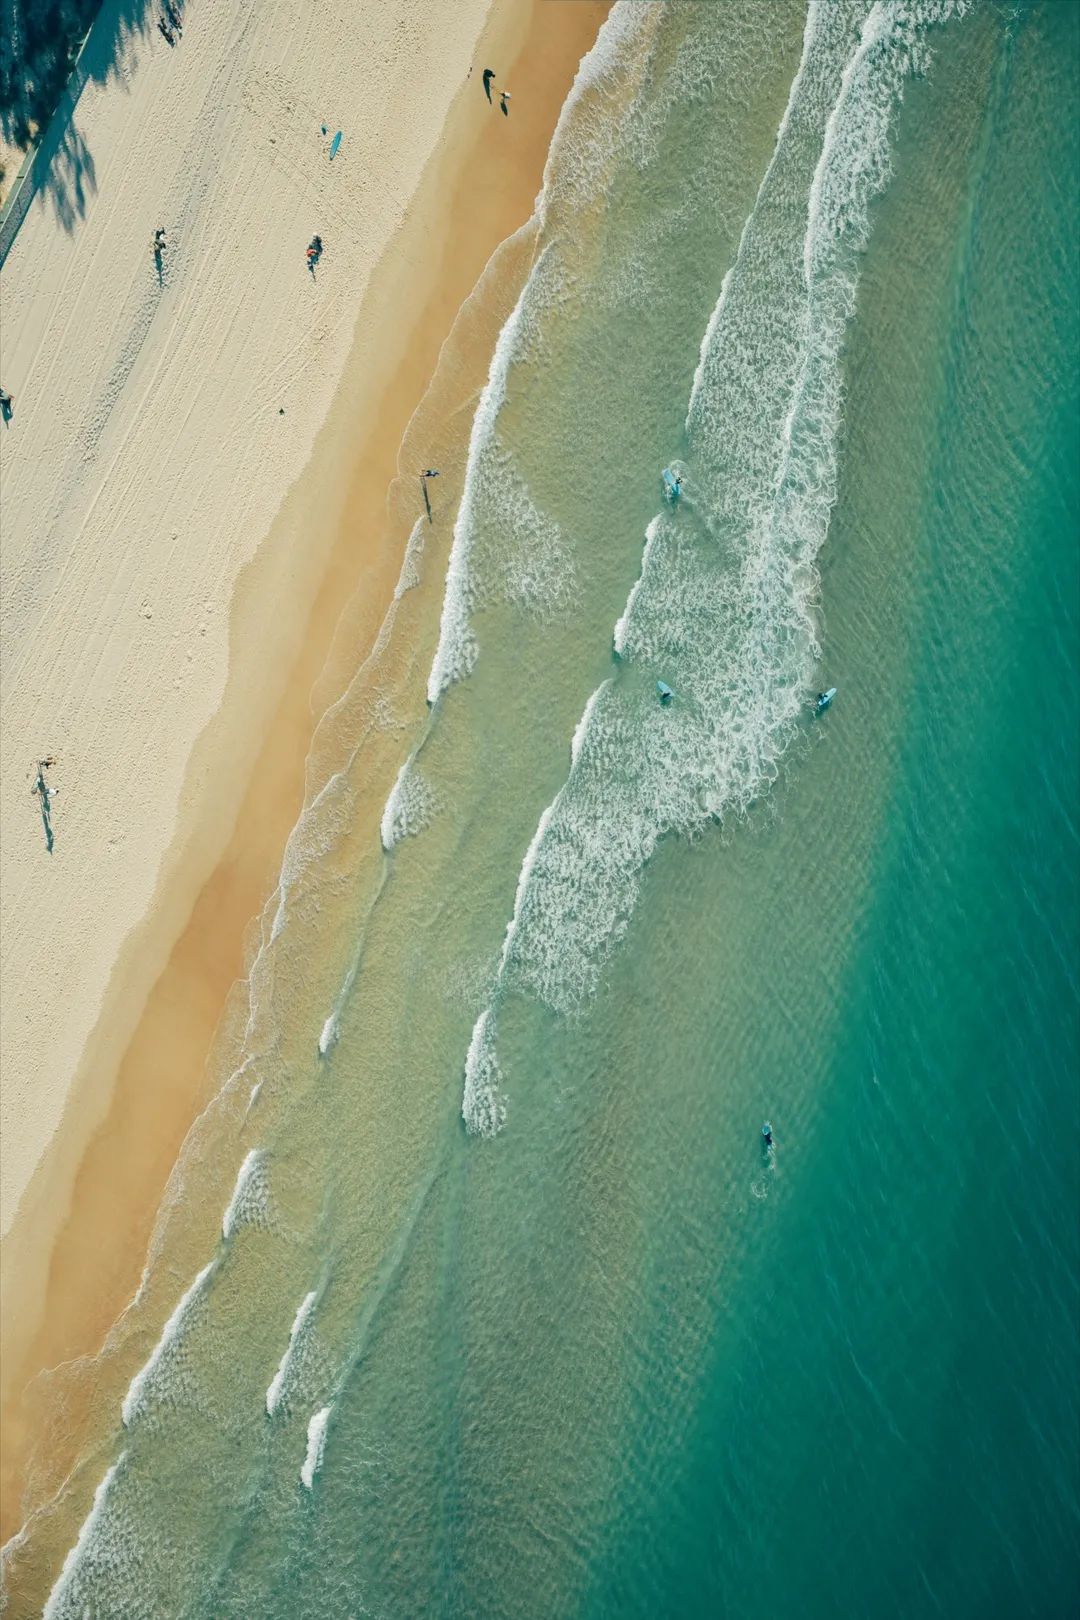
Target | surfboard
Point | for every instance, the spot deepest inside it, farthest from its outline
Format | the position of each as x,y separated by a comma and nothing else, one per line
334,144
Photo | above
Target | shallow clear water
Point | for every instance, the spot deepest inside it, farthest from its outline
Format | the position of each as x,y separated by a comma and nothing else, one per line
599,1353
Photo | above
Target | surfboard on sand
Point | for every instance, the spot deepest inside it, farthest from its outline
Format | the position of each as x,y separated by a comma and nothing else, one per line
334,144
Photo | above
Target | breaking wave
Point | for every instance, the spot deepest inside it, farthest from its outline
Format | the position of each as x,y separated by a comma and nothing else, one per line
409,807
153,1377
531,566
285,1365
250,1202
723,608
316,1444
64,1598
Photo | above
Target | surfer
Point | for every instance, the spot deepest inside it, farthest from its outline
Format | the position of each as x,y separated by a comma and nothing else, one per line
430,472
766,1133
489,74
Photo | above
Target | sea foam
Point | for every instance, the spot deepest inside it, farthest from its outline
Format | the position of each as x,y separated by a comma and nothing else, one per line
155,1368
532,565
409,806
729,619
316,1444
456,649
250,1200
64,1599
483,1106
296,1335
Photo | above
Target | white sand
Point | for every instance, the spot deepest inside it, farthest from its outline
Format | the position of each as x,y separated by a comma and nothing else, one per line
146,458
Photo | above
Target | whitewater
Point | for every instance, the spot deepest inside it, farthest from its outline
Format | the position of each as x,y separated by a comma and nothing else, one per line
723,606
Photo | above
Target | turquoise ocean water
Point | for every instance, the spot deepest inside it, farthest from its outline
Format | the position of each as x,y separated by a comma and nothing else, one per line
510,1312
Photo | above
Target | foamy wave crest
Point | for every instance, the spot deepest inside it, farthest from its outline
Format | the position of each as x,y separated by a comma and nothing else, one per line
482,1106
598,115
708,341
67,1597
622,623
250,1202
329,1034
285,1365
530,565
723,607
316,1444
159,1374
408,809
456,650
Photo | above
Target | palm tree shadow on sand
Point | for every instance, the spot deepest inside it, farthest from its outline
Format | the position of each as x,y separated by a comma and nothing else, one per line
40,83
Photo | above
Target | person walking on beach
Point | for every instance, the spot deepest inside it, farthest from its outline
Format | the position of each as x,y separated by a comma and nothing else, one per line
489,74
428,472
45,795
504,97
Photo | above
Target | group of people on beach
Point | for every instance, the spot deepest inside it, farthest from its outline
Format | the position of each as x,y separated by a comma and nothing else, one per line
171,23
504,95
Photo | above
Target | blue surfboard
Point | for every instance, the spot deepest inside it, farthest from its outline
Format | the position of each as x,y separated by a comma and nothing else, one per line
334,144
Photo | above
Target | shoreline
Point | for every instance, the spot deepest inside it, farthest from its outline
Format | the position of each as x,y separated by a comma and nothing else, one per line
107,1165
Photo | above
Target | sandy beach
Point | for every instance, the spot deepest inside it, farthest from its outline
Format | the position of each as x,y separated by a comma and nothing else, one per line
195,480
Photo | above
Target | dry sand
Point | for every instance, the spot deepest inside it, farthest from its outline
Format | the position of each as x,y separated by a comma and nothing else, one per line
161,629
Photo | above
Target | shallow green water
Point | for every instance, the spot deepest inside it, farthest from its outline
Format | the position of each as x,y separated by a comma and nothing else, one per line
607,1356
